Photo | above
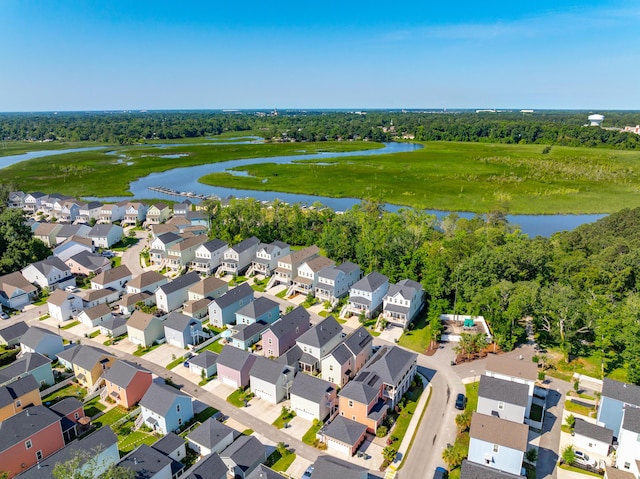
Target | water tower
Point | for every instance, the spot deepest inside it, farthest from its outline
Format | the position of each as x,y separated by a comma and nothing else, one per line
595,120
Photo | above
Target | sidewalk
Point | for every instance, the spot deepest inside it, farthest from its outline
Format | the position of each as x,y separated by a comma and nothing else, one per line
413,425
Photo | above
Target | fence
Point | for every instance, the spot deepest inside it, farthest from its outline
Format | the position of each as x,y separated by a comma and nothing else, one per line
56,387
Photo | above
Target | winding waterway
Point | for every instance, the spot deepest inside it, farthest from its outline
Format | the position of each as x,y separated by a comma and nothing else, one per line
186,179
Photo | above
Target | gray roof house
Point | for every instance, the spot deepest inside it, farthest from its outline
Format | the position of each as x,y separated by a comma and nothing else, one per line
344,435
211,467
261,309
105,235
222,310
282,334
270,380
238,258
11,335
211,437
36,364
367,295
334,281
264,472
592,438
615,396
403,302
208,256
171,296
51,273
38,340
181,330
317,342
504,399
471,470
329,466
175,448
144,329
312,397
234,366
165,408
243,456
266,258
204,364
245,336
346,359
148,463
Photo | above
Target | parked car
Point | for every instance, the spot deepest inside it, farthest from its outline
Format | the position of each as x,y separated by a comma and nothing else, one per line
461,402
71,289
307,473
584,459
4,315
440,473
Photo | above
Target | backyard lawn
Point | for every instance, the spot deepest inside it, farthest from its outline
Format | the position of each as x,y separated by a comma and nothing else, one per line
110,417
418,338
239,396
72,390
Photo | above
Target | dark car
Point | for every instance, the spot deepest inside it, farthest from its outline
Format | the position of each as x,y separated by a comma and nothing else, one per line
440,473
461,402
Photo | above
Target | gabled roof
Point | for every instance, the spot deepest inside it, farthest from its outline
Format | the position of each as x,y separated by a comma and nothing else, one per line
245,452
264,472
512,367
17,389
110,275
257,308
146,279
34,336
624,392
406,288
123,372
83,356
234,358
83,240
114,323
242,332
168,444
593,431
140,320
631,419
166,238
160,229
341,353
291,356
268,370
47,265
234,295
210,433
311,388
25,424
94,294
297,318
613,473
159,398
45,229
66,406
472,470
345,431
321,333
89,260
319,263
145,461
179,283
14,331
102,230
97,311
370,282
214,245
207,285
245,245
132,299
300,255
390,363
205,359
188,243
179,322
11,282
364,388
270,247
210,467
330,467
28,363
358,340
68,231
504,390
347,267
499,431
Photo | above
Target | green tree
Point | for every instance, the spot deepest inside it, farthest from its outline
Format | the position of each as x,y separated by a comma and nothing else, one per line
389,453
452,456
18,247
463,421
88,465
568,455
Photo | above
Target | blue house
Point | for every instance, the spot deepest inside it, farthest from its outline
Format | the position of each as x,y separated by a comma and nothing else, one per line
222,310
165,409
36,364
181,330
615,396
246,335
262,309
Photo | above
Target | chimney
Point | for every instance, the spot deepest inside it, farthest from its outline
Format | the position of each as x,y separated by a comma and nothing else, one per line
27,412
135,460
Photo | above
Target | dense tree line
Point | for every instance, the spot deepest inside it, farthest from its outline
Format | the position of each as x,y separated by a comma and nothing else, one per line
559,128
580,289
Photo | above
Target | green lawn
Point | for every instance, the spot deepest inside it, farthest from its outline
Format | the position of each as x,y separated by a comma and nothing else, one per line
283,418
70,325
125,243
419,337
205,414
411,398
72,390
260,285
216,347
143,351
282,293
567,467
310,436
110,417
579,408
238,397
129,439
176,362
462,439
94,406
278,462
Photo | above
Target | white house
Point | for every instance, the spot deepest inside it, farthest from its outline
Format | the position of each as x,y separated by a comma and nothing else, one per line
105,235
112,212
208,256
317,342
160,245
237,258
504,399
171,296
15,290
366,296
115,278
334,282
62,305
312,397
308,273
148,282
592,438
211,437
96,315
628,454
266,259
523,372
50,273
403,302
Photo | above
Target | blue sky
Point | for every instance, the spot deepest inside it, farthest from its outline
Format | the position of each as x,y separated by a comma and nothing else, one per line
136,54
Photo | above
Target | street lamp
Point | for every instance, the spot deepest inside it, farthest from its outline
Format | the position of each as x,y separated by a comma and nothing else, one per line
474,377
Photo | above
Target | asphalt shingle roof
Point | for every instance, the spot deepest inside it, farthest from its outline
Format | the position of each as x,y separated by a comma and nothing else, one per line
358,340
159,398
245,452
179,321
627,393
257,308
210,433
145,461
234,295
122,373
14,331
311,388
211,467
499,431
181,282
246,244
298,318
263,472
110,275
509,392
331,467
25,424
214,245
169,443
321,333
471,470
205,359
370,282
345,431
146,279
17,389
268,370
34,336
593,431
631,421
28,363
234,358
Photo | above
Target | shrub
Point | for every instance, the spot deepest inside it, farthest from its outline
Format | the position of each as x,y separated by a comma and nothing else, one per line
382,431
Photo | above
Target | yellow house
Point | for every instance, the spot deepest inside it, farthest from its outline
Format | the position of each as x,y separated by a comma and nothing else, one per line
88,363
17,395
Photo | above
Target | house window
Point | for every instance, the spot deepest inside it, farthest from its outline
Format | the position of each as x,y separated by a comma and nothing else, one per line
496,448
18,403
353,417
179,421
39,456
501,405
270,341
76,415
350,403
627,465
177,407
28,444
331,367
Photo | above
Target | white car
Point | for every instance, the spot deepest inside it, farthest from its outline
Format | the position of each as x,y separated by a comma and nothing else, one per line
4,315
584,459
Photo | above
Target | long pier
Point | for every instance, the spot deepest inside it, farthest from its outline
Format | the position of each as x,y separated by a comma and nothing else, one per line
184,194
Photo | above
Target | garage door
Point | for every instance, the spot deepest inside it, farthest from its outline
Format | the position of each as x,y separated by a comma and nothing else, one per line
338,447
175,342
304,414
229,381
264,395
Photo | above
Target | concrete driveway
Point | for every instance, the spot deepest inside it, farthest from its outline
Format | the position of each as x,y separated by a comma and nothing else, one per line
298,427
163,355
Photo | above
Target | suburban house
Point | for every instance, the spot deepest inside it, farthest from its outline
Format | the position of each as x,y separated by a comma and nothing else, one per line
317,342
85,263
70,410
96,315
288,265
38,340
197,309
115,278
208,288
33,201
261,309
402,302
211,437
181,254
503,399
312,397
204,364
267,256
343,435
270,380
89,211
264,472
114,327
126,383
209,467
16,199
100,446
180,222
149,463
524,372
628,453
17,395
346,359
144,329
112,212
62,305
130,302
471,470
329,466
135,213
497,443
208,256
171,296
158,213
105,236
246,335
72,246
378,386
234,366
46,232
88,363
181,209
15,291
592,438
72,231
35,364
160,245
181,330
243,455
222,310
165,409
12,335
174,447
237,258
50,273
97,296
616,396
334,282
28,437
308,272
66,211
148,282
283,333
367,295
